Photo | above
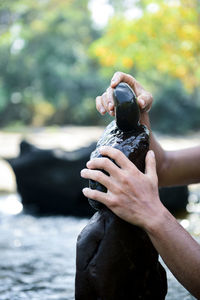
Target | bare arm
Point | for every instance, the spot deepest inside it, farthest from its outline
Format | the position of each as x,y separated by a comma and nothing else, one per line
179,250
180,167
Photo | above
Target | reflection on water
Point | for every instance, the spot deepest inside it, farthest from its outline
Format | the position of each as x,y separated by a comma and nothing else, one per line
38,254
10,204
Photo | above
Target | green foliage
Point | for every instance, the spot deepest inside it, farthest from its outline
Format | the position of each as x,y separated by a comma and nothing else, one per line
44,59
174,110
50,73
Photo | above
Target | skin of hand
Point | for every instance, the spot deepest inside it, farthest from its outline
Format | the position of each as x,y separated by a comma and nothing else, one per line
126,196
133,196
105,102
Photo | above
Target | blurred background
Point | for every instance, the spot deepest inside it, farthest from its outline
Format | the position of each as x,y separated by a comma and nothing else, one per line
56,56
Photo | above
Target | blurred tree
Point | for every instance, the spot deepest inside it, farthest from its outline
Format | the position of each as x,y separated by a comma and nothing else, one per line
164,35
44,62
174,110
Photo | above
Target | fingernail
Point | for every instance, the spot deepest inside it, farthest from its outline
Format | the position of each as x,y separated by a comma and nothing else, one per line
88,163
82,172
102,110
110,106
142,102
151,152
84,190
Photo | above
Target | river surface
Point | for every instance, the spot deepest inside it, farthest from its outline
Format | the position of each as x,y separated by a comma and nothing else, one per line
37,258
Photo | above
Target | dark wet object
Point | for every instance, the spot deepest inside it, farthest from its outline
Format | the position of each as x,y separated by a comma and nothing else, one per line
126,108
49,182
116,260
134,144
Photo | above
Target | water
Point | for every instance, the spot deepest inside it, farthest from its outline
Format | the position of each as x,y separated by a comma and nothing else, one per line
38,255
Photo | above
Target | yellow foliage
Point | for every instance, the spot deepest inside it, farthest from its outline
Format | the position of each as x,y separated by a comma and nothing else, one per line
180,71
109,60
167,40
127,62
101,51
42,112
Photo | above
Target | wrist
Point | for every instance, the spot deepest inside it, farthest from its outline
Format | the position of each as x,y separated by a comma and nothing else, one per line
158,220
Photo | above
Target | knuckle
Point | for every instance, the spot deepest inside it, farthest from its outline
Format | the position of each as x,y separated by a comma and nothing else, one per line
113,201
114,155
132,78
97,175
118,74
117,189
104,98
150,97
120,155
125,179
105,161
94,194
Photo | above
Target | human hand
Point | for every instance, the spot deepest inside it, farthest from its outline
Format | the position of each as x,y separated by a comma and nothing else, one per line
131,194
105,102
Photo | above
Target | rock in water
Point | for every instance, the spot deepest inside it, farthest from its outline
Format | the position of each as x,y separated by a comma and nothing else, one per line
49,182
116,260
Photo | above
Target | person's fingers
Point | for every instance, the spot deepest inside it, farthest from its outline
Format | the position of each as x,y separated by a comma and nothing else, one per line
121,160
96,176
145,101
110,99
150,168
106,101
130,80
95,195
104,163
121,77
99,105
145,98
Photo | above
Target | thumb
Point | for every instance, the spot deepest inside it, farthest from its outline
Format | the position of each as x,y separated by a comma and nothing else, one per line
150,168
116,79
141,102
145,101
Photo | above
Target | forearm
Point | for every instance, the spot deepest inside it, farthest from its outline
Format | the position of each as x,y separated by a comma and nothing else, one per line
160,154
179,167
182,167
179,250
